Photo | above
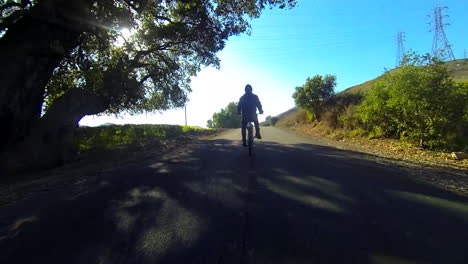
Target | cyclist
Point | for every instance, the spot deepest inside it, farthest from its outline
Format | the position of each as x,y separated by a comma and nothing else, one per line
247,106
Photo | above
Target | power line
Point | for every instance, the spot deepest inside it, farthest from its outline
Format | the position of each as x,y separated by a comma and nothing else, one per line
441,47
400,48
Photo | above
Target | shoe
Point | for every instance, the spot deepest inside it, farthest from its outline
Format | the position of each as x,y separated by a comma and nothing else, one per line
244,143
258,136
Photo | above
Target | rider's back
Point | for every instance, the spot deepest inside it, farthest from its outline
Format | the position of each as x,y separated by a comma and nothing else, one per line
248,104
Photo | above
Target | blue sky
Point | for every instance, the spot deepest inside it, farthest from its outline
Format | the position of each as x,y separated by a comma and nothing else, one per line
354,40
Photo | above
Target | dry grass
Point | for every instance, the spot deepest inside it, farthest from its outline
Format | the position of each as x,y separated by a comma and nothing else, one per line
292,118
458,69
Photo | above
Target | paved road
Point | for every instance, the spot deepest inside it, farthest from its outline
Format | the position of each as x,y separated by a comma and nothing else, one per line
295,202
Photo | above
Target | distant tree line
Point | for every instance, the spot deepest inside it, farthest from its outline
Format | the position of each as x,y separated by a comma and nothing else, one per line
226,118
270,121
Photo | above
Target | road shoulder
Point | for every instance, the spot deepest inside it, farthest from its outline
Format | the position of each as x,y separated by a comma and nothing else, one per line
444,175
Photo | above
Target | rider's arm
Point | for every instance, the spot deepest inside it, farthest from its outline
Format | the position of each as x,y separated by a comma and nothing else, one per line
259,106
239,106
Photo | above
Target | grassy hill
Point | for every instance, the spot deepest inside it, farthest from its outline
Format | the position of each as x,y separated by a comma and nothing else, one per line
458,70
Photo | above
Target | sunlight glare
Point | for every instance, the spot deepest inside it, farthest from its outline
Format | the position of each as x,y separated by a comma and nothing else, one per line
124,35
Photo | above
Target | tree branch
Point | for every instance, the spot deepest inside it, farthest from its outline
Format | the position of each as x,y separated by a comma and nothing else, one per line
164,18
162,47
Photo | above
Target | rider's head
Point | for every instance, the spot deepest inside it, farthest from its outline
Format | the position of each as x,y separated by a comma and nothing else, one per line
248,88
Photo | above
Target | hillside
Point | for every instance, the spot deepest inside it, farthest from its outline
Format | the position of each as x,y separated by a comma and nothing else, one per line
356,138
458,70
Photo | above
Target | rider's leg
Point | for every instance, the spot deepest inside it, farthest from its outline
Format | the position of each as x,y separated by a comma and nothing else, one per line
257,129
243,131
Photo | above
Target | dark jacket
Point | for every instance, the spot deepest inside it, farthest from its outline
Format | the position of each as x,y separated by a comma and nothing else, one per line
248,105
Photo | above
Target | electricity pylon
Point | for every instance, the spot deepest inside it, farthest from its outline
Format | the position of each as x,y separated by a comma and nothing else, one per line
400,38
441,47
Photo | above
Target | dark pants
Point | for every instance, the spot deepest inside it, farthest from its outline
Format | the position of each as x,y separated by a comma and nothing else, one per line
244,122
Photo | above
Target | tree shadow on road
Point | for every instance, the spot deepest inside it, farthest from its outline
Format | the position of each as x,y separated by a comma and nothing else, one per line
211,203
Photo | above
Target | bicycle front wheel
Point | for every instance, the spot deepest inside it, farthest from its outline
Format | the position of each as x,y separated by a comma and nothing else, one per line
250,140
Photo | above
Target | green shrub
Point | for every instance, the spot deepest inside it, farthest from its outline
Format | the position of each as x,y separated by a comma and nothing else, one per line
357,132
349,119
420,102
310,116
376,132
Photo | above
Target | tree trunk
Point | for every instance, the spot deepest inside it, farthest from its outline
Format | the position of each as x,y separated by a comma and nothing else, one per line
30,50
51,140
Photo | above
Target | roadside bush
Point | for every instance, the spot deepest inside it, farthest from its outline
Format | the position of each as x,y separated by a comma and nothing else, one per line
330,119
357,132
310,116
337,110
349,119
420,102
340,102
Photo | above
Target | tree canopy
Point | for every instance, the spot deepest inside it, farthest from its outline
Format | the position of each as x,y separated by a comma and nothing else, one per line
313,94
63,59
151,69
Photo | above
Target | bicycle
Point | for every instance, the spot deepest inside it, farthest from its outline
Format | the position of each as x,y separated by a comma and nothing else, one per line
250,137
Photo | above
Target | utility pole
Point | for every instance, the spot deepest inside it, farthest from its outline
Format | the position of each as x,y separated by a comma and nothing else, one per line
400,38
185,108
441,47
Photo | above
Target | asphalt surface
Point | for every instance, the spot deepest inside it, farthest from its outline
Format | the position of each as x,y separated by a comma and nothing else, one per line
295,201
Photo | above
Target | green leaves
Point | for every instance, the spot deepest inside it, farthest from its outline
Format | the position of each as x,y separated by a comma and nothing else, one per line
418,101
313,94
151,70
